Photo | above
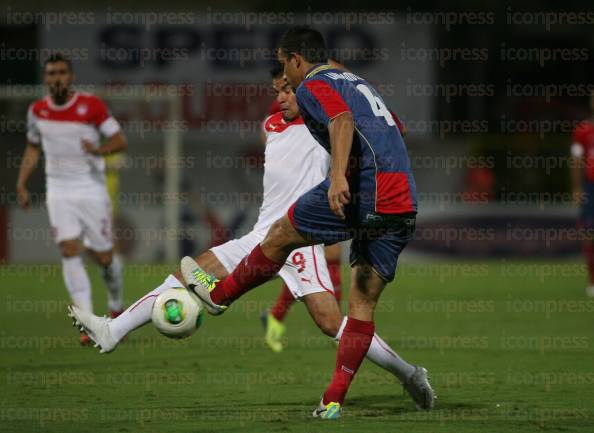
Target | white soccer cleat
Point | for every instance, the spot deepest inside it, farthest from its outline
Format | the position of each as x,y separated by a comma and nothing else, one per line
331,410
97,328
420,390
201,283
590,291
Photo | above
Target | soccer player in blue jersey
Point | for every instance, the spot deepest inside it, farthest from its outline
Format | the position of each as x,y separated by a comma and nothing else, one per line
369,197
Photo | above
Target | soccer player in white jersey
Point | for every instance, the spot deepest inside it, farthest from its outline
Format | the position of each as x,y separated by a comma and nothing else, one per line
294,163
67,126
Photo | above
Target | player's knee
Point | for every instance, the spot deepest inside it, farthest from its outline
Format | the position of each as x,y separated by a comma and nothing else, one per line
70,248
104,259
328,325
282,235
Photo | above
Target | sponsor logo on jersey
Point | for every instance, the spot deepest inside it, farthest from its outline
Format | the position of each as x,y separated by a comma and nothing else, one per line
82,109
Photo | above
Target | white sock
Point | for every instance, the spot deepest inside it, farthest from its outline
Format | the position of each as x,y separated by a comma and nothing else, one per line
382,355
112,275
77,282
139,313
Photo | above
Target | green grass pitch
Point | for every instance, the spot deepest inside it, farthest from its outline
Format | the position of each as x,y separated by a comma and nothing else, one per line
509,347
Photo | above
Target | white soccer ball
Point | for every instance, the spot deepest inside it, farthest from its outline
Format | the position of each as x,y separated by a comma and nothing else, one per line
177,313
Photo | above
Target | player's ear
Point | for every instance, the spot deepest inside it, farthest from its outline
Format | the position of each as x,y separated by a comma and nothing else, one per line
297,58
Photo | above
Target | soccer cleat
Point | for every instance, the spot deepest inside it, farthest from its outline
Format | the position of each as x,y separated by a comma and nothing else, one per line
201,283
275,331
419,388
590,291
331,410
97,328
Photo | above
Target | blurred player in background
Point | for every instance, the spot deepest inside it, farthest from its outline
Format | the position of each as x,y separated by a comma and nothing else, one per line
67,126
294,163
582,174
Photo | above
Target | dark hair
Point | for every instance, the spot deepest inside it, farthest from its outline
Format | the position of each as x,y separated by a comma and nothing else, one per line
306,42
277,70
58,57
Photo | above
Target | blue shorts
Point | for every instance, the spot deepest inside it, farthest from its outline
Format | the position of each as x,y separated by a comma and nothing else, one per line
379,239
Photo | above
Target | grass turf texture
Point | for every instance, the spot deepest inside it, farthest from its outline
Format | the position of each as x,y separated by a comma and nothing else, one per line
509,347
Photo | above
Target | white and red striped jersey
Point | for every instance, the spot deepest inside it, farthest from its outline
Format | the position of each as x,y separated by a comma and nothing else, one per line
294,163
59,129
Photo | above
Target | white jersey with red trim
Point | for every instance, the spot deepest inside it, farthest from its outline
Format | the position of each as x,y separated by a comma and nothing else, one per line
294,163
59,129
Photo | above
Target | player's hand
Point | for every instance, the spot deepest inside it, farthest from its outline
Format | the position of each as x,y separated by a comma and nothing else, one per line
339,195
23,197
89,147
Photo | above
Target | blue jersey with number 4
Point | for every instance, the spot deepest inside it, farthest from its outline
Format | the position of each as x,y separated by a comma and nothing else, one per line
379,167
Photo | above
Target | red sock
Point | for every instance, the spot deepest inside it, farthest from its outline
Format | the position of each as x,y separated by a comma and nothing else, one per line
588,250
336,278
283,304
352,348
254,270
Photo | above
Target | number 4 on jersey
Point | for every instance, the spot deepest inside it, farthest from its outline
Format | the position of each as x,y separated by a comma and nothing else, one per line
377,105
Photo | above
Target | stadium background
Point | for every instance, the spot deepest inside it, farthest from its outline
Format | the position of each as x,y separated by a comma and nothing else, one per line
489,98
489,94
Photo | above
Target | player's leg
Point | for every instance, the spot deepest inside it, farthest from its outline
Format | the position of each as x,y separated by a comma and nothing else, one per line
260,265
96,214
588,250
586,221
272,320
309,221
112,272
107,333
311,282
325,312
366,287
67,230
298,261
75,275
374,256
139,313
333,258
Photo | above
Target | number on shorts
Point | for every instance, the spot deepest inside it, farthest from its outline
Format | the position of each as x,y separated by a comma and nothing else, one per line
298,260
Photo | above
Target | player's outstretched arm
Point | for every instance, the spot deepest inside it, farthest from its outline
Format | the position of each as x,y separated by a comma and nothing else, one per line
341,130
116,143
28,165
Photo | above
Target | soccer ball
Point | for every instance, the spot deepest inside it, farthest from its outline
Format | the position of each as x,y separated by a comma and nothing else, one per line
177,313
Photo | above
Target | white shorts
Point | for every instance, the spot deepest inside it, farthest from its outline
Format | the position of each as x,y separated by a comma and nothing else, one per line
304,273
83,218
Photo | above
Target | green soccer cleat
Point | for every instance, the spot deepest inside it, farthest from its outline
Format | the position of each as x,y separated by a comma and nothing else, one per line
201,283
275,331
331,410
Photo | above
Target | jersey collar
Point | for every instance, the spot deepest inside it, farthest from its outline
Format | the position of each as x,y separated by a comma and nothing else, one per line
65,106
317,69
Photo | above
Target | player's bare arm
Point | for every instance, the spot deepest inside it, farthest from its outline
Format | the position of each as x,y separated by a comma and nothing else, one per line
341,130
116,143
28,165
